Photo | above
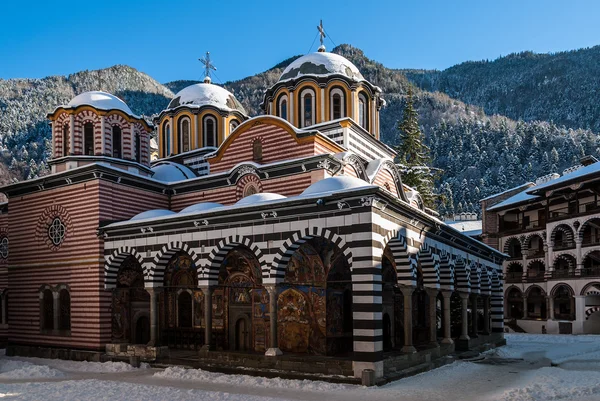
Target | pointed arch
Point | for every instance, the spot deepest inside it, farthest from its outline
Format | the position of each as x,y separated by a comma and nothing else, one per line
113,263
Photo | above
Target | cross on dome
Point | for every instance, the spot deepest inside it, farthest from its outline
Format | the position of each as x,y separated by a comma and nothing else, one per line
207,67
321,36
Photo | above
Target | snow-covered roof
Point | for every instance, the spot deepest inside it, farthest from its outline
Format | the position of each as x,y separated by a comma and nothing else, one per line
150,214
170,172
467,227
321,64
206,94
260,197
374,166
573,175
335,184
526,185
522,196
201,207
101,101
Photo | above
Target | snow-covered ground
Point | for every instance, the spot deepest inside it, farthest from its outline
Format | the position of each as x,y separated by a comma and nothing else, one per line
530,367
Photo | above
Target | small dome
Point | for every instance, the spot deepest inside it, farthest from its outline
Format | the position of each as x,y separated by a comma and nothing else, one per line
101,101
335,184
321,64
170,172
201,207
260,197
152,213
207,94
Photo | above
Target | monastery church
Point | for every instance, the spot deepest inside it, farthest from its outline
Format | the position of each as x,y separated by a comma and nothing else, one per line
284,241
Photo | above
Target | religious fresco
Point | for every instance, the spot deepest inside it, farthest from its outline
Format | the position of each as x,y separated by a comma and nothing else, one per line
129,291
179,274
260,319
302,320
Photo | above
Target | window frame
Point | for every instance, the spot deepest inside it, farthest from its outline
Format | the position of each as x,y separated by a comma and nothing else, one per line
302,105
180,122
166,139
282,100
66,139
88,136
116,129
364,115
337,91
205,120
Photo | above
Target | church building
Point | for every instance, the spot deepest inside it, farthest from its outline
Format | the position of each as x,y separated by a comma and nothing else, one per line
284,241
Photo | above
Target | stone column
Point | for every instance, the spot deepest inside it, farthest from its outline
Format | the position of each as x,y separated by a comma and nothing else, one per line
525,269
56,303
291,110
474,315
579,314
579,256
153,315
432,293
103,135
486,315
171,138
273,345
549,307
464,297
207,291
447,314
408,323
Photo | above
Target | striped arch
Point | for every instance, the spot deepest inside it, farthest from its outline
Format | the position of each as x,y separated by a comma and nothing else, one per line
113,263
530,288
486,281
210,274
537,260
585,255
81,119
561,284
497,302
462,269
509,241
585,224
475,277
567,257
430,265
591,311
566,229
529,237
446,271
155,273
290,245
406,263
592,288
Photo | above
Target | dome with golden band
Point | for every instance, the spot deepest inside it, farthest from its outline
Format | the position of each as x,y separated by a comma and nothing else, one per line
321,64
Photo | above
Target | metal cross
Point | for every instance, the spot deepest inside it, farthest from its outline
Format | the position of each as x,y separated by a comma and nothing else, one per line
321,32
207,64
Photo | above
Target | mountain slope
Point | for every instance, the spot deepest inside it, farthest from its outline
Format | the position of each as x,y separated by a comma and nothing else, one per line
560,87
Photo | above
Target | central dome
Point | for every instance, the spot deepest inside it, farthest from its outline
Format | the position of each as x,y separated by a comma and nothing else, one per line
101,101
321,64
206,94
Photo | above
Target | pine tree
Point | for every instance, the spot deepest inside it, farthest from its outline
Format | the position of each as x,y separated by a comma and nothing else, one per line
413,155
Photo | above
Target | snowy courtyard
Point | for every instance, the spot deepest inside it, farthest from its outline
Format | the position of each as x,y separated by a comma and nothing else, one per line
529,367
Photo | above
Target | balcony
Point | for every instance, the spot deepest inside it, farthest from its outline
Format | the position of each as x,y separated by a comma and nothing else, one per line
536,254
513,277
563,273
559,246
572,211
535,275
590,272
520,226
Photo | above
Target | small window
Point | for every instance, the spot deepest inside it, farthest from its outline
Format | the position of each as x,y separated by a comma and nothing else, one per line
337,106
282,106
283,109
64,317
166,139
210,131
138,148
88,139
4,248
363,111
184,135
257,150
116,141
308,110
57,231
47,315
66,140
233,125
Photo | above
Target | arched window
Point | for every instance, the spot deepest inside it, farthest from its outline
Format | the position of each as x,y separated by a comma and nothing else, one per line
64,310
184,134
88,139
47,312
307,108
116,141
337,104
210,131
138,148
257,150
66,140
282,106
363,111
233,125
166,139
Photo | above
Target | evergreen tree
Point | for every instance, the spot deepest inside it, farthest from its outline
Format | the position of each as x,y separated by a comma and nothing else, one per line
413,154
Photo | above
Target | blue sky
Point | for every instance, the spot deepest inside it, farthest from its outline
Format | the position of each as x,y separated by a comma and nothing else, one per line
38,39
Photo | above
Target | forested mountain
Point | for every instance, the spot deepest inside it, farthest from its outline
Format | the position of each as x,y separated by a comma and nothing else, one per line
559,87
479,154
